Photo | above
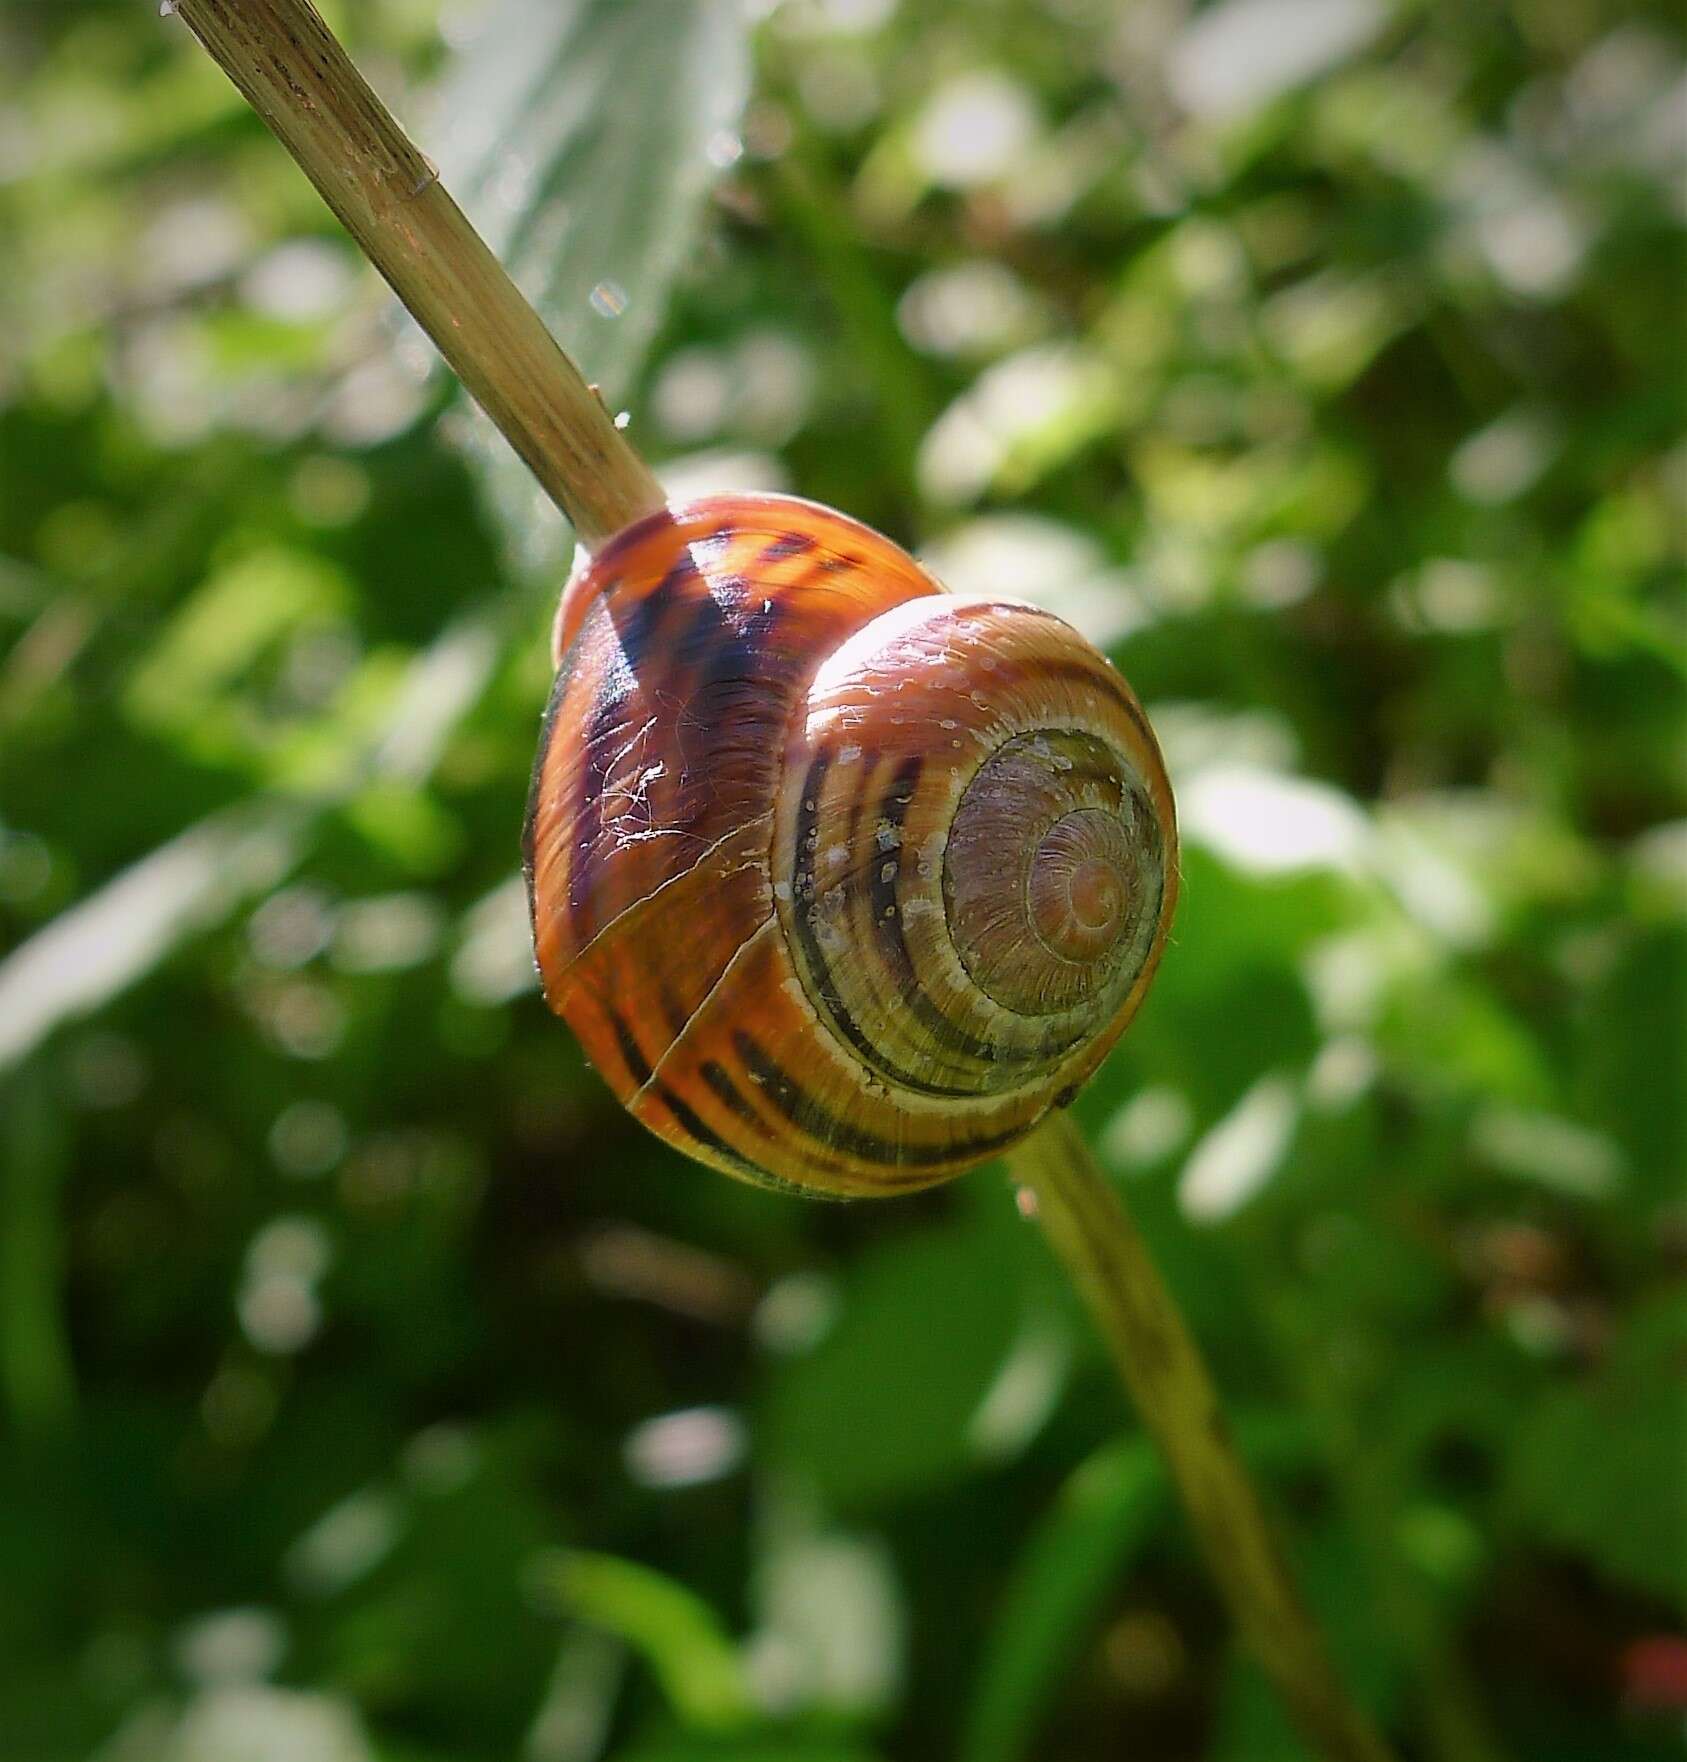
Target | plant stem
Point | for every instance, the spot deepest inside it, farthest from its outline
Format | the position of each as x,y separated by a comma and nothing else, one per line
291,70
1162,1367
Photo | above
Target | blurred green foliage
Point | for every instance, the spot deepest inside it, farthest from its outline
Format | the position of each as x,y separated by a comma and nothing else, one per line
369,1387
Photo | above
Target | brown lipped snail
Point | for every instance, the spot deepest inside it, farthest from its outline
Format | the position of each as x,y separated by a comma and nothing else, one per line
842,881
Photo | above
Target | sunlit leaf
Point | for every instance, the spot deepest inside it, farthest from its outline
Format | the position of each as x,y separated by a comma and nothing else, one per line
582,137
96,950
886,1405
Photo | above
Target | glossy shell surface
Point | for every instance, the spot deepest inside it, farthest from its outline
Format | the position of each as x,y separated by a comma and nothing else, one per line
842,881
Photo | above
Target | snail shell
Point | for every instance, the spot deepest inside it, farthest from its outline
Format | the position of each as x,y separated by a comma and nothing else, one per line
841,880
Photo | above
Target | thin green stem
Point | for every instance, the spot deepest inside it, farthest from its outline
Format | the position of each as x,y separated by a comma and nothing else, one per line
1163,1369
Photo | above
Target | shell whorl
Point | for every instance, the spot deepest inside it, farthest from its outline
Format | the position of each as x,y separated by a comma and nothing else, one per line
841,880
946,769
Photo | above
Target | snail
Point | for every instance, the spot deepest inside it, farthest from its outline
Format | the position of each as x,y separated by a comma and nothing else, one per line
842,881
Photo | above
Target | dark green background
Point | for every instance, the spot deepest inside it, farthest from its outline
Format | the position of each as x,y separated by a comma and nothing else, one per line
369,1386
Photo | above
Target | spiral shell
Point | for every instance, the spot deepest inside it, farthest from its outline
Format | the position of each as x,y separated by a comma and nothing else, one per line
842,881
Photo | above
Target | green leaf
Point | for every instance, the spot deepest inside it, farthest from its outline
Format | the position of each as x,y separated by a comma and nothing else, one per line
773,1749
190,683
94,951
677,1633
37,1378
582,138
1592,1463
886,1406
1636,1022
1104,1512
